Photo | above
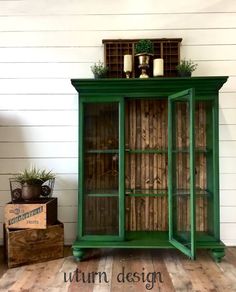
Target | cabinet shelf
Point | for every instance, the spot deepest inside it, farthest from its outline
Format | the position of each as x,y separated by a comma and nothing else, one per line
102,151
198,192
147,151
143,192
165,150
149,239
197,150
102,193
164,192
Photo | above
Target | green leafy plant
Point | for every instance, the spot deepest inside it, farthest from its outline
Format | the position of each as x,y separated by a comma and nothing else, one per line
99,70
34,176
144,46
186,67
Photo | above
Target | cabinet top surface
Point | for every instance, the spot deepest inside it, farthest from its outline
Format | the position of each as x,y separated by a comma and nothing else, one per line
147,87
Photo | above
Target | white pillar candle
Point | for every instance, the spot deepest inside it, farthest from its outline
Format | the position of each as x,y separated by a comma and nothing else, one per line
158,67
127,63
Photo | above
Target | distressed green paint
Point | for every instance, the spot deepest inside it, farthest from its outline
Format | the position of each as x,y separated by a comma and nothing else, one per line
119,90
216,202
192,173
188,97
146,88
122,169
148,239
81,170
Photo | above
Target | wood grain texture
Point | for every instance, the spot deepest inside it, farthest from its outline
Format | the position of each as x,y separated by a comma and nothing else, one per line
177,272
27,246
48,52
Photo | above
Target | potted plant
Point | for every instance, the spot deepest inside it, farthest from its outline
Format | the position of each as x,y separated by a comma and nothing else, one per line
31,184
144,50
99,70
186,67
144,47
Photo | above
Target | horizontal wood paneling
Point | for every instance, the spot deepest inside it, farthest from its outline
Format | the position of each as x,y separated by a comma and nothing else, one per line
218,36
36,86
227,197
228,148
46,70
39,150
45,43
227,132
51,55
227,100
70,232
74,70
62,165
68,214
228,232
227,165
208,53
95,53
228,182
84,7
117,22
227,116
39,102
38,133
228,214
38,118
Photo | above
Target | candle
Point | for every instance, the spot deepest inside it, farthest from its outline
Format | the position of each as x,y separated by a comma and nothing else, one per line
127,63
158,67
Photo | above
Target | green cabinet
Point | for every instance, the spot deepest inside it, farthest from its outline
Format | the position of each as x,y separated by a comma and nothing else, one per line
149,164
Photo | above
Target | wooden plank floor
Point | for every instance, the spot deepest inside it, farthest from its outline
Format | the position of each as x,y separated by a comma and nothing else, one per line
107,270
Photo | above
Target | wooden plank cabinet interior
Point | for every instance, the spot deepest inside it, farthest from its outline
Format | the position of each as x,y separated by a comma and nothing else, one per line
148,164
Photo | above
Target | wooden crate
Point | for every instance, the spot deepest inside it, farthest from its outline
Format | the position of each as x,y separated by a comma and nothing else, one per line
37,215
27,246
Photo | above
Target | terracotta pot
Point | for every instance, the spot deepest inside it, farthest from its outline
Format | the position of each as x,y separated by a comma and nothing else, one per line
31,192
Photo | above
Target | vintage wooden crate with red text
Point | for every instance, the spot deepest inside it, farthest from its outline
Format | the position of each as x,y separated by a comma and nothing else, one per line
38,215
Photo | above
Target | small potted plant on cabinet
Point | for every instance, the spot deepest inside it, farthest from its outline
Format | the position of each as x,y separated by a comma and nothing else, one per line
144,50
99,70
31,184
185,68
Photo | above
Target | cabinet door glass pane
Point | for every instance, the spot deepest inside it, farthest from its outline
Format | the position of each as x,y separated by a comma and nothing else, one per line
101,173
101,169
101,216
101,130
181,173
181,157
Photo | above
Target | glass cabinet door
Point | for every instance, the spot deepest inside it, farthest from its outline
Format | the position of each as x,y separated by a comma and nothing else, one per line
100,170
181,172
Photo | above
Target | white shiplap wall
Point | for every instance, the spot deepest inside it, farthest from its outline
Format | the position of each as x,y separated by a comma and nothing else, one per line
45,43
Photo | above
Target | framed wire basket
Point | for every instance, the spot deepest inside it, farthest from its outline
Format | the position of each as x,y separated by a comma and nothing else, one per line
46,190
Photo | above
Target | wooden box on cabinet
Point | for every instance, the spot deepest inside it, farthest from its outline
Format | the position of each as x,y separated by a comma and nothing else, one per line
166,48
38,214
149,164
27,246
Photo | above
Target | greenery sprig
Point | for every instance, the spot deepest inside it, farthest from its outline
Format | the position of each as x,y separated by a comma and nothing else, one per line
187,66
34,176
99,70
